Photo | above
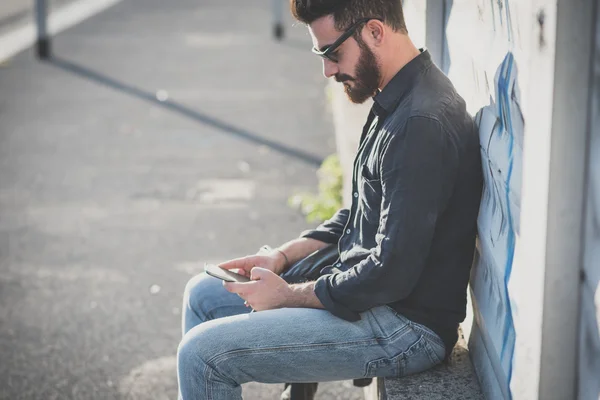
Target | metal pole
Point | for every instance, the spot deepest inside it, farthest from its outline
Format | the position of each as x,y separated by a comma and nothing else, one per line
43,39
564,242
278,31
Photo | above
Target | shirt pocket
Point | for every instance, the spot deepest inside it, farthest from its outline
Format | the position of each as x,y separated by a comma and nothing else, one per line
369,199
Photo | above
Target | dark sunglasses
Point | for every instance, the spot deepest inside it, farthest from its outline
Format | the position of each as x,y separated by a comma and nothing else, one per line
327,52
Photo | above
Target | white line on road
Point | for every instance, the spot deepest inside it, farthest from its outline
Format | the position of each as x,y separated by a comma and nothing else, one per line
58,21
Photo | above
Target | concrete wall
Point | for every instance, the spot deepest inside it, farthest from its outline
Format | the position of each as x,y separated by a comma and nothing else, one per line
513,63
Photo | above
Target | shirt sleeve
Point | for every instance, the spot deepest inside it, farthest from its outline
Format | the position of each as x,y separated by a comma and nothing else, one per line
331,230
418,170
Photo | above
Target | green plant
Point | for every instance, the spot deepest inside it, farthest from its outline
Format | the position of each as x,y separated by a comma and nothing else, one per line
323,205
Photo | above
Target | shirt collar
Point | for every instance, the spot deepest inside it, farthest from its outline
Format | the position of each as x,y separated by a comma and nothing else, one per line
387,99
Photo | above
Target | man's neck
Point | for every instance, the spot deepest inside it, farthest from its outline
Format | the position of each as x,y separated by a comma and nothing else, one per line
404,51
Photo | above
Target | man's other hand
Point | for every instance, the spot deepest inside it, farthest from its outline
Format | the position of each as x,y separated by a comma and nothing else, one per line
266,291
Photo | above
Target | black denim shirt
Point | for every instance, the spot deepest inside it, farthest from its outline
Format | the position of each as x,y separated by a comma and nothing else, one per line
408,239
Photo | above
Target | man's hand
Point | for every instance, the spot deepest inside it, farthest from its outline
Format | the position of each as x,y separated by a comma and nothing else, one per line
273,261
266,291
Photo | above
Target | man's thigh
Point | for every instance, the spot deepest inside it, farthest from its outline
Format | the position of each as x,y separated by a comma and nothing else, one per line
306,345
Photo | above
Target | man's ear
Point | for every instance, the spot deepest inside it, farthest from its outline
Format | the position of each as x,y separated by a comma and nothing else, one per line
375,32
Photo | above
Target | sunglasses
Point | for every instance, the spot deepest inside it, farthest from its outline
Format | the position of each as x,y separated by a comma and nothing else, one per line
328,51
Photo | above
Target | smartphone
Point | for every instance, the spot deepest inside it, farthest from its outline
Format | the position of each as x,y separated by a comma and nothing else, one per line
224,274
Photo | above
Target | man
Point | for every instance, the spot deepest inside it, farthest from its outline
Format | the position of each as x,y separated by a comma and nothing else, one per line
391,304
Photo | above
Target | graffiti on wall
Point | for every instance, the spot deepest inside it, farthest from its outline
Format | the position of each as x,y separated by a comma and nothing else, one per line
486,40
501,126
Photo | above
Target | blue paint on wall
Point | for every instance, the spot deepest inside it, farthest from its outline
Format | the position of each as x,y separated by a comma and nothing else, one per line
504,105
501,134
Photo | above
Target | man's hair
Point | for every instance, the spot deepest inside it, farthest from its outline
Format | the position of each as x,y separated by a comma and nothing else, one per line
346,12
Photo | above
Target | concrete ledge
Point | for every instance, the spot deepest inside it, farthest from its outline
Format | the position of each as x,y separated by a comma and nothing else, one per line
455,379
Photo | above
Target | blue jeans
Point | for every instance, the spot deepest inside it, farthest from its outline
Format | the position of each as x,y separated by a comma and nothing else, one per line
224,345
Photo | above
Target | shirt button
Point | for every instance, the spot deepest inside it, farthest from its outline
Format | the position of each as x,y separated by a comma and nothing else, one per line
348,231
355,194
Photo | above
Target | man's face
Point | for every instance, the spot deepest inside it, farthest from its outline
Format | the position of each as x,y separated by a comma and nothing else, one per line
357,66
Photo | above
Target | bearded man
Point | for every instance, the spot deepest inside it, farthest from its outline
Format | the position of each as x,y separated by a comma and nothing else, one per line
391,303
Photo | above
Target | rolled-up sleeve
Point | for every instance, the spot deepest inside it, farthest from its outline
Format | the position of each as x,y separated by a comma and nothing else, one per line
331,230
418,169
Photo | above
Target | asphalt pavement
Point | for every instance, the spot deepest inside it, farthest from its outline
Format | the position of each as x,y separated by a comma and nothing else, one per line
160,136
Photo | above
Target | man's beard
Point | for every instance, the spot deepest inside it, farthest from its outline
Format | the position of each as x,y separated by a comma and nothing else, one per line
367,78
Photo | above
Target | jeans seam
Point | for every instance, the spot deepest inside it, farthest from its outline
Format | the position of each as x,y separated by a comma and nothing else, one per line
431,354
306,347
212,371
209,395
230,354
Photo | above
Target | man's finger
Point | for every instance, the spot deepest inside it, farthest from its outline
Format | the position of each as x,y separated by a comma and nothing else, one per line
242,289
244,263
258,273
234,287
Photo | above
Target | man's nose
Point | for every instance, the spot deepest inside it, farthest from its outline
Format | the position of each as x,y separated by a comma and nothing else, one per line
329,68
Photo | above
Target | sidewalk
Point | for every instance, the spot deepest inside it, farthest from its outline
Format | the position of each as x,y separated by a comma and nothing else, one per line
11,10
163,135
15,13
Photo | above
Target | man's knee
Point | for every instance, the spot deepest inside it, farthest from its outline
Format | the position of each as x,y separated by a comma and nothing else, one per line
203,346
188,353
191,366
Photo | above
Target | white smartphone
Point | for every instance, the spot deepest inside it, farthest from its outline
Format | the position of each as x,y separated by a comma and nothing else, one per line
224,274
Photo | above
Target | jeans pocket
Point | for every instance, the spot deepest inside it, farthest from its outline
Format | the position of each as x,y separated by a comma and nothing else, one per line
431,336
417,358
384,367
